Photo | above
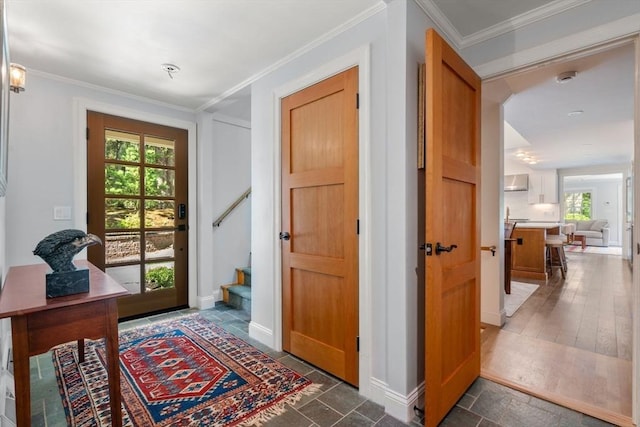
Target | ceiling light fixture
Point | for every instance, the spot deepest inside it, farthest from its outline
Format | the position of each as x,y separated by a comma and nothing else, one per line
171,69
575,113
17,77
567,76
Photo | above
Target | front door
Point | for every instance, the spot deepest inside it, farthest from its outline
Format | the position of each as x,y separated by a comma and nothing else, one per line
137,202
452,220
320,224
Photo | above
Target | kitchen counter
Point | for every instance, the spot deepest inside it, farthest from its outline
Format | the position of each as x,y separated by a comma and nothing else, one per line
529,256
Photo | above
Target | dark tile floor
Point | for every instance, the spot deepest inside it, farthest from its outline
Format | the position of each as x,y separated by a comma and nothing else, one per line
485,404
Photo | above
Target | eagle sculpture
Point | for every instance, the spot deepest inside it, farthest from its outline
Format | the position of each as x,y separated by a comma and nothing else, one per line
59,248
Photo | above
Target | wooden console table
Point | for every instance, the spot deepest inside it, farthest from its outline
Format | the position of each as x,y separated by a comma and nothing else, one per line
39,323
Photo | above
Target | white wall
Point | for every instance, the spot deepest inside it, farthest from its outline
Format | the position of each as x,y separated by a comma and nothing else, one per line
231,169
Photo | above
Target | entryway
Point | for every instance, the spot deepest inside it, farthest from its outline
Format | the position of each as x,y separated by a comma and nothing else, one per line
137,204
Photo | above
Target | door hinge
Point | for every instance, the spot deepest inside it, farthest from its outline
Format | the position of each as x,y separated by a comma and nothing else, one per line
87,218
357,343
357,226
357,101
87,134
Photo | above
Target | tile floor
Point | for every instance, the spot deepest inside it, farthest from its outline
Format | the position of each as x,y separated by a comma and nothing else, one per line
485,404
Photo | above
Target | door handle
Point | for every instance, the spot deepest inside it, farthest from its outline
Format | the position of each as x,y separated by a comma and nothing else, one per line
284,235
440,248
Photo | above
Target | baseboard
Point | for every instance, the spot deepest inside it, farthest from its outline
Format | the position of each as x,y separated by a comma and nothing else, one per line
208,302
262,334
493,318
396,404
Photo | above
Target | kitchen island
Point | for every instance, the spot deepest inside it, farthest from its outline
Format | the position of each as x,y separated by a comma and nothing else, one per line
528,260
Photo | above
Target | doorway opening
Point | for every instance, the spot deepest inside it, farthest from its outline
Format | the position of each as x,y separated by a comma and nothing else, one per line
562,335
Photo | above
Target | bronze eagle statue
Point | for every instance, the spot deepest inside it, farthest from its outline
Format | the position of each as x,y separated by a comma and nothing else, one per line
59,248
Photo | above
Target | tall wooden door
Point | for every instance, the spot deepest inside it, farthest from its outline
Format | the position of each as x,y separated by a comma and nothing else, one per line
452,343
137,204
320,224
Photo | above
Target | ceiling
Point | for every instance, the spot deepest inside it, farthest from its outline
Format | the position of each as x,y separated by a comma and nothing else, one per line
221,46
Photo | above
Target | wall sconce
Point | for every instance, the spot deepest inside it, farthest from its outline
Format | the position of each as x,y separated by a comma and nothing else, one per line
17,77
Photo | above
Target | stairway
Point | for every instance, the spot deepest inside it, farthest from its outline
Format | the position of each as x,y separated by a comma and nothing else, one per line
238,294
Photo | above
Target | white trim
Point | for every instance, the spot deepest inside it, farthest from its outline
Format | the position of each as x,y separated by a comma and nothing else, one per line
504,27
520,21
493,318
634,254
233,121
400,406
262,334
111,91
361,58
298,53
207,302
79,111
588,39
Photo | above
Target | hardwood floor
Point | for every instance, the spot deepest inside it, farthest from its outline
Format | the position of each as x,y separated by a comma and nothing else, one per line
570,342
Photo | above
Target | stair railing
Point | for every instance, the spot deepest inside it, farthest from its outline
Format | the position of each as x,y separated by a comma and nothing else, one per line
230,209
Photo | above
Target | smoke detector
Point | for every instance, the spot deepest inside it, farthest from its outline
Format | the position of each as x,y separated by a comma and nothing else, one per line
566,76
170,69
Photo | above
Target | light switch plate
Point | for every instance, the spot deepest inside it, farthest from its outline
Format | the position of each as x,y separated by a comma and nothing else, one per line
61,213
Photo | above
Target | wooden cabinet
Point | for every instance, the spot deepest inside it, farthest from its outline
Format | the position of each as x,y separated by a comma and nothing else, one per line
543,187
528,256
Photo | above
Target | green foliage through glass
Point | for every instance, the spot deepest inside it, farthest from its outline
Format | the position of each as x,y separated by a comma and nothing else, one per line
577,206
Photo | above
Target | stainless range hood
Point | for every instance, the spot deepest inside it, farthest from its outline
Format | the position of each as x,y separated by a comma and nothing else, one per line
518,182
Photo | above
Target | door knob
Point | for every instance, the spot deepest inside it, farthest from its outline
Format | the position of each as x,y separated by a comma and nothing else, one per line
284,235
440,248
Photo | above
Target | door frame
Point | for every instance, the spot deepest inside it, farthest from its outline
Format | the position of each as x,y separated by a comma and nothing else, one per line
560,50
80,108
361,58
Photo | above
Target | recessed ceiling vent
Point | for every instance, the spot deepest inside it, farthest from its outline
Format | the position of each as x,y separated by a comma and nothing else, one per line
566,76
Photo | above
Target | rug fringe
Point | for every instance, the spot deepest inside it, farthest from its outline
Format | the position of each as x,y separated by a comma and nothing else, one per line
279,408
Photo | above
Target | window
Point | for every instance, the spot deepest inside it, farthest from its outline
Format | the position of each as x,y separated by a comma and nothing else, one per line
577,205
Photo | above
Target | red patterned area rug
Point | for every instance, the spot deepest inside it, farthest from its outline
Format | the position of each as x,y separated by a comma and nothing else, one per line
182,372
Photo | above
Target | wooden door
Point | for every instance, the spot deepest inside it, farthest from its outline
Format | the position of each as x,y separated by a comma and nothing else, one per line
137,204
452,343
320,224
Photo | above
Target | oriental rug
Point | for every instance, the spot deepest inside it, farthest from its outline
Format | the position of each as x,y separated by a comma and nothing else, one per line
181,372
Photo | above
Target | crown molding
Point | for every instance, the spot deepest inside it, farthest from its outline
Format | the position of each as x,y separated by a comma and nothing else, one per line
379,6
522,20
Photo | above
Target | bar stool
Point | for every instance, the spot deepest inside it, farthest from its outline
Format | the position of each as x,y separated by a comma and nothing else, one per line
556,243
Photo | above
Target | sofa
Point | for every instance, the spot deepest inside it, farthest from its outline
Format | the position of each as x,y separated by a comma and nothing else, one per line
595,231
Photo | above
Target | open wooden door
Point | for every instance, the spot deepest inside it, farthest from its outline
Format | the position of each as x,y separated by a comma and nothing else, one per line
452,342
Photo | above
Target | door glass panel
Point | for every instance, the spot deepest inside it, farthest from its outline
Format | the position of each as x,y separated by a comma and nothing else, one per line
159,182
122,247
122,213
159,276
159,244
159,213
121,179
121,146
128,276
159,151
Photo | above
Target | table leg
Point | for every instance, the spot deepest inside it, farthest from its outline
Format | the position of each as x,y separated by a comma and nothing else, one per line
81,351
113,362
584,242
20,340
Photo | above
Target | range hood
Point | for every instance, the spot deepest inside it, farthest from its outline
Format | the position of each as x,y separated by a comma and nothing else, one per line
518,182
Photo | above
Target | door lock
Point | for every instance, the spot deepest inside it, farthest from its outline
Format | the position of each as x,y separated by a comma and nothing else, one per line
284,235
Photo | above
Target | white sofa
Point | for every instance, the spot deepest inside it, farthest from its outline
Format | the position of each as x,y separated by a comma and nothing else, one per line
596,231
